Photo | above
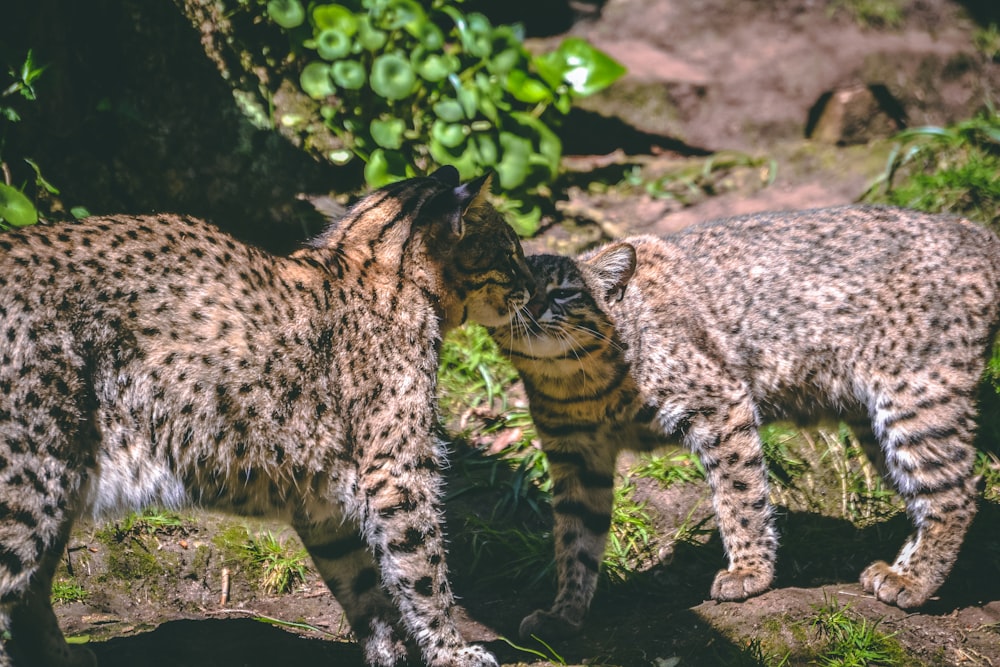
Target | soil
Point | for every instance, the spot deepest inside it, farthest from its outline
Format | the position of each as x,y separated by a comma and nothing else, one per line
718,75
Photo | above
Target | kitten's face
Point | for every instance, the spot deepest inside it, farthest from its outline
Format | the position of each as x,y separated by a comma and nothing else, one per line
567,317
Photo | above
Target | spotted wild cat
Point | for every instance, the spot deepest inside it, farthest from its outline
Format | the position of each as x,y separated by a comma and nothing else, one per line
883,317
155,359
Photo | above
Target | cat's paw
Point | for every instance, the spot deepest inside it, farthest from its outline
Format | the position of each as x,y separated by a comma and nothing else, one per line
469,655
384,647
547,625
740,583
885,583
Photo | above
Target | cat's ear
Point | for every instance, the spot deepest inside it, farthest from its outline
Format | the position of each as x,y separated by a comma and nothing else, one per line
452,205
447,175
614,267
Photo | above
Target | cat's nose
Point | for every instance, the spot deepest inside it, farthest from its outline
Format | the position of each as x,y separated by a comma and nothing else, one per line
535,306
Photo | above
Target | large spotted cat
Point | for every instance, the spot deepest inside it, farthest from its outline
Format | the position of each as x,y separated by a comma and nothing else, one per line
156,360
883,317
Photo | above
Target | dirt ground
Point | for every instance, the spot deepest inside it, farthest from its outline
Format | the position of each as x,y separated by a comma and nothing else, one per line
704,77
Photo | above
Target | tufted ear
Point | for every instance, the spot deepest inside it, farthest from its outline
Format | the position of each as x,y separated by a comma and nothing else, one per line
614,267
447,175
452,205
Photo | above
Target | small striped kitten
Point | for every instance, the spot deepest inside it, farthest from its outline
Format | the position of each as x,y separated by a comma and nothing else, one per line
882,317
156,360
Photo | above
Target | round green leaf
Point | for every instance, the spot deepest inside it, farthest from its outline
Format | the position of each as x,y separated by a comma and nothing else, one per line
349,74
286,13
449,135
392,76
334,17
437,67
430,35
505,61
577,64
384,167
16,209
487,149
513,168
370,39
388,133
395,14
448,110
315,80
332,44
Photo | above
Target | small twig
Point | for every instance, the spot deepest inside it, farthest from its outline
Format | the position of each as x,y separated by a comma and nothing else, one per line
224,598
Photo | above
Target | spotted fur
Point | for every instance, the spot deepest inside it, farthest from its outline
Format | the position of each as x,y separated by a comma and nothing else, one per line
155,359
882,317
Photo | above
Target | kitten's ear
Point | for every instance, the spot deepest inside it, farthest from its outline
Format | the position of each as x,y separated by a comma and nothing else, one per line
614,266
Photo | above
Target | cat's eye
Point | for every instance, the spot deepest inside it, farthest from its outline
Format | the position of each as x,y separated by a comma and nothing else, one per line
562,295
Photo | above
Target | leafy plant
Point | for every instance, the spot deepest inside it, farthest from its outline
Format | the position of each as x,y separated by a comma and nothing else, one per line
951,169
16,209
669,469
279,566
65,591
852,640
472,370
408,85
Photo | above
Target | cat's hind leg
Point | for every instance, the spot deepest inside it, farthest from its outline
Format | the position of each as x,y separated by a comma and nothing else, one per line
926,428
351,573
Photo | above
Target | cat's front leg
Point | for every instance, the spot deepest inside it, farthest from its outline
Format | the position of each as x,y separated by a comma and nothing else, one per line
582,498
730,450
349,570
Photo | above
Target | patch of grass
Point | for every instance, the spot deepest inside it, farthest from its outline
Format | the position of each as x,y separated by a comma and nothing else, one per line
852,640
987,41
674,468
527,555
277,566
696,180
945,169
988,465
885,14
66,590
629,541
472,371
149,522
751,653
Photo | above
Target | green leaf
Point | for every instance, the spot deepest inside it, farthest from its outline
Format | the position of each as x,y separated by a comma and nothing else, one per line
396,14
332,44
349,74
430,36
370,38
392,76
384,167
286,13
514,167
436,67
335,17
80,212
449,135
549,144
527,89
577,64
388,133
449,110
315,80
16,209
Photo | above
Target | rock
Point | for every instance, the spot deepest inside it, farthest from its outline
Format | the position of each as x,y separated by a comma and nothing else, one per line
855,115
